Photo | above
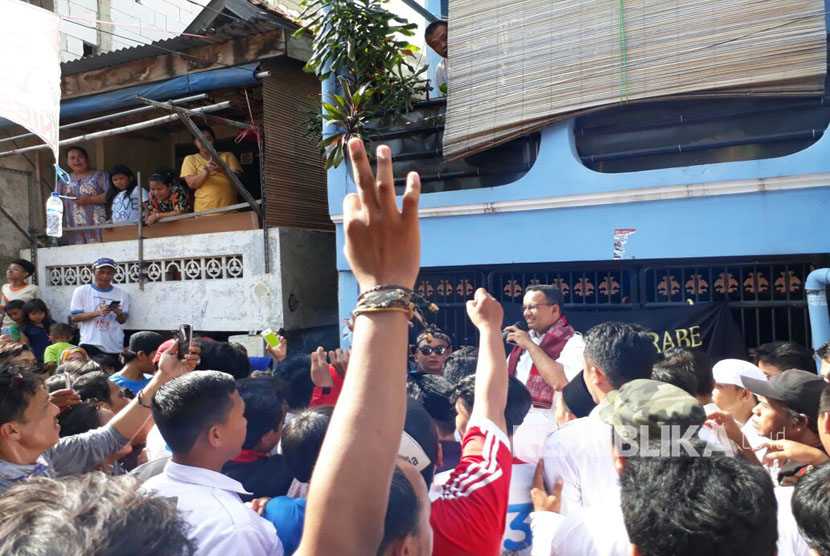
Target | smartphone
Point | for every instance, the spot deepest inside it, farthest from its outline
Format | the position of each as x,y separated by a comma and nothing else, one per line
270,337
113,305
185,338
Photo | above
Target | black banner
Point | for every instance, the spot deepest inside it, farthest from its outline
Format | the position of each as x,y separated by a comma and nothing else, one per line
706,326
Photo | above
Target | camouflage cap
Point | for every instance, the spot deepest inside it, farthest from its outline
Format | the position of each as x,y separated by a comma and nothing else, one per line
652,404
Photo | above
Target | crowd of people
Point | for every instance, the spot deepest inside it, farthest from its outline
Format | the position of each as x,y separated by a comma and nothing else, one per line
405,444
92,196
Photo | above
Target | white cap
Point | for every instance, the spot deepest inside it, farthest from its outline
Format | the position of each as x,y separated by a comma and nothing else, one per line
730,371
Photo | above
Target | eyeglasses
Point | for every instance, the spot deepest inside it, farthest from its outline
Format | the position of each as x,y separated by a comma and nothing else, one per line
15,381
533,307
427,350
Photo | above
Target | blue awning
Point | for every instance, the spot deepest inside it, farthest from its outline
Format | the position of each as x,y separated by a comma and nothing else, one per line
237,76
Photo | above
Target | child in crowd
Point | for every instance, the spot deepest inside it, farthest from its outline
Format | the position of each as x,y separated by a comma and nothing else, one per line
167,197
13,312
138,361
17,288
60,335
122,200
35,328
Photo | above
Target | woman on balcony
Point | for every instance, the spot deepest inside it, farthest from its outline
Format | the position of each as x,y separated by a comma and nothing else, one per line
206,177
88,191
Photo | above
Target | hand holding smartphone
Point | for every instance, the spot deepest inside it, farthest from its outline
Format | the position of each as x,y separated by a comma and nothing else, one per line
185,337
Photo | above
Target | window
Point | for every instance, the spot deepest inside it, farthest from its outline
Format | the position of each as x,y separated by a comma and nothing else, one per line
670,134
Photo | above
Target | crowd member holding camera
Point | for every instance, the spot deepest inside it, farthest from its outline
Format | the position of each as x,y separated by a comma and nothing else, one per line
548,353
101,309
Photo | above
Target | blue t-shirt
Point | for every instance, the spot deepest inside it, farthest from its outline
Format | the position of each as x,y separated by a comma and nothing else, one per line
287,515
134,385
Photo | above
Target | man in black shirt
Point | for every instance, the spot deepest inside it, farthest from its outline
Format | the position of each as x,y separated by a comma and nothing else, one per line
260,473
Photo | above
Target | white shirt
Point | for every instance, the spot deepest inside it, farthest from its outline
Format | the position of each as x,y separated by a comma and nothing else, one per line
600,531
790,541
105,333
570,358
580,453
125,208
440,76
220,524
595,531
156,445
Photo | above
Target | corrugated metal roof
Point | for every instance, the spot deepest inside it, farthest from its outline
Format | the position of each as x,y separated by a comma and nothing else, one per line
176,44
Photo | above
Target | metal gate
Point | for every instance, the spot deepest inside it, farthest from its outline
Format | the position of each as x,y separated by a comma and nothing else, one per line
766,295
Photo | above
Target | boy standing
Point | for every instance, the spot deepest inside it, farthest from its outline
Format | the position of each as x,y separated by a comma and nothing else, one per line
60,335
17,288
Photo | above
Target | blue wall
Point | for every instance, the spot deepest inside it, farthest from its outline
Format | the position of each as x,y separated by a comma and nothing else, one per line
782,222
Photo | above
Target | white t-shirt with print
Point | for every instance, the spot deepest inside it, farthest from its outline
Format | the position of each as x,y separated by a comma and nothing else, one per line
105,333
124,208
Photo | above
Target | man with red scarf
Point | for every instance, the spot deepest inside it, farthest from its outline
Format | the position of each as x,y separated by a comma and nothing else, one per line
549,355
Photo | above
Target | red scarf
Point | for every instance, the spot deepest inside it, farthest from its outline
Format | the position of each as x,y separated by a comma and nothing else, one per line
552,344
247,456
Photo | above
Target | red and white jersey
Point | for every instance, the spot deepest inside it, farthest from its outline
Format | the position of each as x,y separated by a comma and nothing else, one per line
469,515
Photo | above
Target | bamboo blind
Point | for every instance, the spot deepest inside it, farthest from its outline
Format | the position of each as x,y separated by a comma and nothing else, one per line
294,180
518,66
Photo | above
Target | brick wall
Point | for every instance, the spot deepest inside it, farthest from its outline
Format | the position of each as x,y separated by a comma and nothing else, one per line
138,22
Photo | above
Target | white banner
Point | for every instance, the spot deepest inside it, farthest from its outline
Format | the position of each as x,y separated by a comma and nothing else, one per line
30,91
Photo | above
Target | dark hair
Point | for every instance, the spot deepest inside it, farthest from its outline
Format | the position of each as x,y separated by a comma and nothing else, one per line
823,351
56,382
432,27
82,368
187,406
221,356
61,329
402,511
552,293
518,400
698,362
93,386
206,128
263,407
435,393
90,514
27,265
113,191
14,304
461,362
10,350
302,439
165,176
786,355
37,305
727,507
78,148
17,387
677,368
105,361
824,401
295,373
811,507
622,351
79,419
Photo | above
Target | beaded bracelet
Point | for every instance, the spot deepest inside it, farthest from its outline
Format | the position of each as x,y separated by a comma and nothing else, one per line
393,298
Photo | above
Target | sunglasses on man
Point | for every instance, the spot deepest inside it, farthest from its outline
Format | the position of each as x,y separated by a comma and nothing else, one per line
427,350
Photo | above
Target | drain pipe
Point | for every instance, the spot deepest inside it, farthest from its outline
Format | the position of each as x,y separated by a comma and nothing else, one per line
816,288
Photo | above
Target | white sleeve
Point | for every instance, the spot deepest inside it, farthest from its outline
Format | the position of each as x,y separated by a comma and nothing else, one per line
78,300
571,356
558,465
543,526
